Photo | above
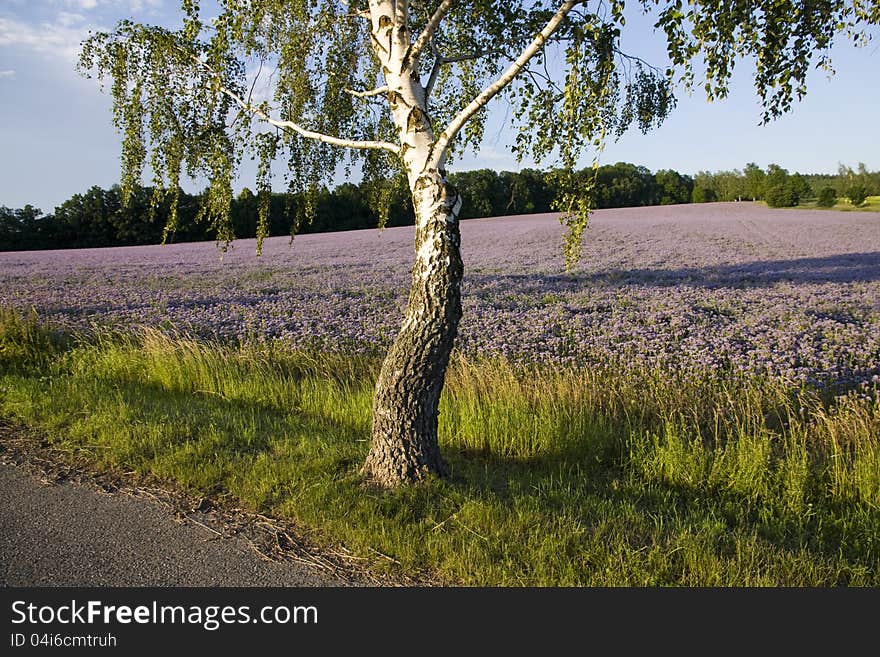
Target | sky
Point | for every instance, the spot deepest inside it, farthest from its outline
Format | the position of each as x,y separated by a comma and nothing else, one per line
57,137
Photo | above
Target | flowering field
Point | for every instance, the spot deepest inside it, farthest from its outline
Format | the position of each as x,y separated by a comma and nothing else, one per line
695,289
689,456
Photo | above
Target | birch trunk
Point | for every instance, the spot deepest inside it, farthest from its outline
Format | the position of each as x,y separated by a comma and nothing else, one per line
404,445
406,404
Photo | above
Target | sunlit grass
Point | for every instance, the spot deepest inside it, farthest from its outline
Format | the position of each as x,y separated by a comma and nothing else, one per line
559,477
871,204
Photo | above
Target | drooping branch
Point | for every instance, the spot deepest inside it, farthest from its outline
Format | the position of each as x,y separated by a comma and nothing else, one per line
304,132
503,80
290,125
415,51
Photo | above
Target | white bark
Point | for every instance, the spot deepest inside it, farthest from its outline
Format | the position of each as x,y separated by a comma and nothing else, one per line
420,150
404,445
430,29
366,94
406,96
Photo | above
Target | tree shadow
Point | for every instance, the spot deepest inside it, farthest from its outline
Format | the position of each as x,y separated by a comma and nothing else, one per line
585,472
208,409
842,268
839,530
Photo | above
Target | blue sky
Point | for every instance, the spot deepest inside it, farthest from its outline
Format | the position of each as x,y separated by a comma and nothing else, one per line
57,138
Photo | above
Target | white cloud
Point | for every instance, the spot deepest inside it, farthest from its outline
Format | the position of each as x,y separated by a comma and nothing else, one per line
59,34
133,6
59,39
140,5
79,5
67,19
7,74
492,154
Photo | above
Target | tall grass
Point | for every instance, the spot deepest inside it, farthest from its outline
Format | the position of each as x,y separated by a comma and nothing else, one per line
559,477
25,342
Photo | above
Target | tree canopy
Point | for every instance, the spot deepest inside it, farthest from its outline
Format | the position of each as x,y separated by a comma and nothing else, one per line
175,90
184,98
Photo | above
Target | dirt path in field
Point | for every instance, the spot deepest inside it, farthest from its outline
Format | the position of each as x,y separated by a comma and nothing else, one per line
62,526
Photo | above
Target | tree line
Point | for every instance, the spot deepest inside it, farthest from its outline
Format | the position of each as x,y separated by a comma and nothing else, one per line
780,188
99,218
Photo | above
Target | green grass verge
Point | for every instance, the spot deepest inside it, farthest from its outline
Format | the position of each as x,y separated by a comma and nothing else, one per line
575,477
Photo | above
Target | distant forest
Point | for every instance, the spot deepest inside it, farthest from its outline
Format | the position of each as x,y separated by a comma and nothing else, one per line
99,218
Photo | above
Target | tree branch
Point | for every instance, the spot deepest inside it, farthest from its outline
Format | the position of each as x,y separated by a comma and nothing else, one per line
492,90
415,51
289,125
463,57
440,61
435,70
309,134
365,94
363,13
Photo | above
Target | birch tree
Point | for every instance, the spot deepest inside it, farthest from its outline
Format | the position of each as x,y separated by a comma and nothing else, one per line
400,88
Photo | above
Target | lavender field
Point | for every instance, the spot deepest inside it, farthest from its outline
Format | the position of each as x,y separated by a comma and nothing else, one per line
695,289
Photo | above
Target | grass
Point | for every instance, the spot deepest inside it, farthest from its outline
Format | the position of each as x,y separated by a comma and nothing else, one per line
871,204
575,477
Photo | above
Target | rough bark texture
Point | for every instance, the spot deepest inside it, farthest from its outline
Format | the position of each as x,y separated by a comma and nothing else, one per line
405,407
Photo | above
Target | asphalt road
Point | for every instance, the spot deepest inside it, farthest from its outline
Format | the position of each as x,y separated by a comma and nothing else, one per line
71,534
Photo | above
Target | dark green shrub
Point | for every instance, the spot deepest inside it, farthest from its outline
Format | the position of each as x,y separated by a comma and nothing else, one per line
781,189
827,198
780,196
857,194
704,195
